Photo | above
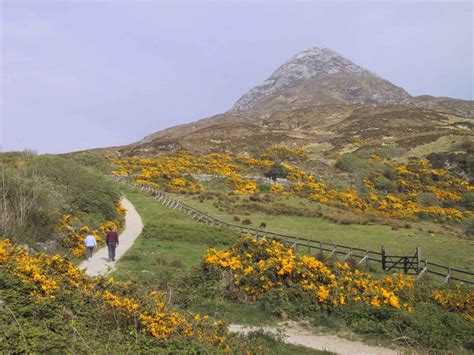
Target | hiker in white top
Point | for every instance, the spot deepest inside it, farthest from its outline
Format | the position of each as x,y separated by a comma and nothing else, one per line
90,243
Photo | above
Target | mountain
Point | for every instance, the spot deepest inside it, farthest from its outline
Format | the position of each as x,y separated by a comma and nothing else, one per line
319,76
325,103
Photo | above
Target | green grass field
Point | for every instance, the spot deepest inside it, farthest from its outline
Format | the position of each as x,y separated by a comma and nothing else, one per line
436,245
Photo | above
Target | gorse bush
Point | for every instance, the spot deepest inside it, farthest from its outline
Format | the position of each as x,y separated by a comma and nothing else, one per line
60,308
257,267
383,187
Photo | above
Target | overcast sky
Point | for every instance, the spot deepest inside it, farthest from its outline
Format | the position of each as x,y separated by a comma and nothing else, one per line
82,74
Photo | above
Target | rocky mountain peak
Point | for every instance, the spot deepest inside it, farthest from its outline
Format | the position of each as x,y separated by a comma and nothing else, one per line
318,65
316,62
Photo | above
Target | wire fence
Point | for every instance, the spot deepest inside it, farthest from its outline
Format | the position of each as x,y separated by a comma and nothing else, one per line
411,265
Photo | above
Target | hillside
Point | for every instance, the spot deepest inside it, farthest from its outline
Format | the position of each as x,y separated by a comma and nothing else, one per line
325,103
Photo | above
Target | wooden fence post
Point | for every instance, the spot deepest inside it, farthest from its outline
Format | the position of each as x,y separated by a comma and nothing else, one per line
418,260
405,264
348,255
448,276
384,257
422,272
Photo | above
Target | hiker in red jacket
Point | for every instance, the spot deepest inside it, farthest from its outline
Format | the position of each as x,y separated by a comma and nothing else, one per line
112,240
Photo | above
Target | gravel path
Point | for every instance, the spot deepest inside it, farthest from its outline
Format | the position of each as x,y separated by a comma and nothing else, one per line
292,333
133,227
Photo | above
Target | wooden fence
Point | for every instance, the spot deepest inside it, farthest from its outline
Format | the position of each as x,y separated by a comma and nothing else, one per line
409,264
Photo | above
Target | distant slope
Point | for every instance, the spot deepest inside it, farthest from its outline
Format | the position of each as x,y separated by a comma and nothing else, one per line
339,126
447,105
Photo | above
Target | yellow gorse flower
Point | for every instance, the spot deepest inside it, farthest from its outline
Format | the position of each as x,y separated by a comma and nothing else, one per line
73,237
174,174
259,266
45,276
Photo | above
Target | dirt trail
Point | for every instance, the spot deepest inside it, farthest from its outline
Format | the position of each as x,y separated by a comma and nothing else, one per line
133,227
292,333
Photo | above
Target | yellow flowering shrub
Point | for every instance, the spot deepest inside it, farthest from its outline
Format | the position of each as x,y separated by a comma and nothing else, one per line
414,178
277,188
46,276
255,163
73,232
459,300
240,185
283,153
173,173
257,267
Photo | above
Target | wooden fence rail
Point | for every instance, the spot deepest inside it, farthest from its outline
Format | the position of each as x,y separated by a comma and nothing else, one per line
411,265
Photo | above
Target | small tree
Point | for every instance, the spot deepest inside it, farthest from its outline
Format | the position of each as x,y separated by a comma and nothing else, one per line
277,171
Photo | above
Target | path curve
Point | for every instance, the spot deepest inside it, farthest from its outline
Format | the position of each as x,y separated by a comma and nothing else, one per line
99,264
293,333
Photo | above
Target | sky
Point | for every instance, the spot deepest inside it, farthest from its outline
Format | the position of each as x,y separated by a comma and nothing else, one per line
83,74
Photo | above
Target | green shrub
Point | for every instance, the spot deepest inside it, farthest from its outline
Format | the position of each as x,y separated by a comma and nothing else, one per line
246,222
264,187
389,152
30,210
276,171
384,184
468,200
36,190
470,165
97,162
72,324
428,326
352,163
84,190
427,199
